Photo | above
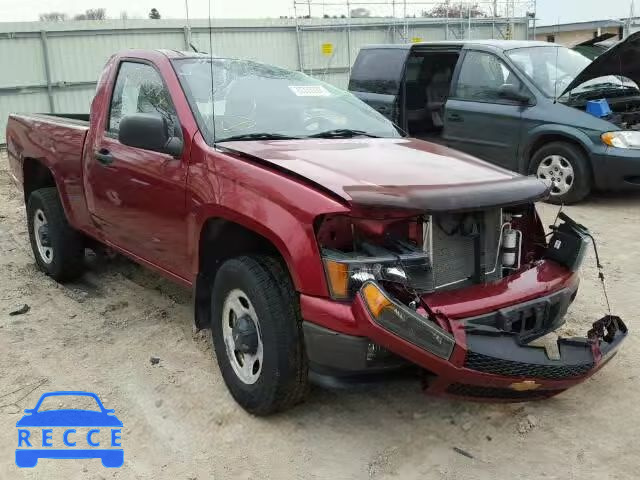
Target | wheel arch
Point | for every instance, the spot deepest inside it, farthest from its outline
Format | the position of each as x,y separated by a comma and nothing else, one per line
542,138
220,239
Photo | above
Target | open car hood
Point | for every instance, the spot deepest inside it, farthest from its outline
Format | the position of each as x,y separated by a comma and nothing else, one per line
621,59
394,172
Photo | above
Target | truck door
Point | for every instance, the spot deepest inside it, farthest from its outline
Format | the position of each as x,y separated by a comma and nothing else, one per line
137,197
376,77
478,120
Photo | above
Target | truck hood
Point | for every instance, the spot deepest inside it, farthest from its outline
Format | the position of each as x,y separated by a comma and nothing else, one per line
621,59
394,172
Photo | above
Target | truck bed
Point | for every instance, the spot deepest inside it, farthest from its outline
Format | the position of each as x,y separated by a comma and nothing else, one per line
56,141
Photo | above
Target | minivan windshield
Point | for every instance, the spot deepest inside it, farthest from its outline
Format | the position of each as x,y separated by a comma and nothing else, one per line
254,101
553,68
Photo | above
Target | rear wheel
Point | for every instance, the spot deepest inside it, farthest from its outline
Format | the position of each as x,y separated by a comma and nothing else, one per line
57,248
257,334
565,169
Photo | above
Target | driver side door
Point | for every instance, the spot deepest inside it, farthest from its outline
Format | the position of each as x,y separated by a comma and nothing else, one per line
137,197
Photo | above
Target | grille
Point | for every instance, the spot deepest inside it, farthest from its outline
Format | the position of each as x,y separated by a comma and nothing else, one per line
453,253
497,366
477,391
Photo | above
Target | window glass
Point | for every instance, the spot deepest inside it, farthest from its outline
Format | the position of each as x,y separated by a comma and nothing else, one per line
481,76
247,98
139,89
378,71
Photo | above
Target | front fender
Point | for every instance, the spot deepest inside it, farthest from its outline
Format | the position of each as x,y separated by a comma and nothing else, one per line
571,134
267,202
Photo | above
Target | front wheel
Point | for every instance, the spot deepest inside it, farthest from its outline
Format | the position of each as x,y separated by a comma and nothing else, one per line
565,169
257,334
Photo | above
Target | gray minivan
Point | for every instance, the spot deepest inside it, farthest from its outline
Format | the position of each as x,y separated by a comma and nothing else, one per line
532,107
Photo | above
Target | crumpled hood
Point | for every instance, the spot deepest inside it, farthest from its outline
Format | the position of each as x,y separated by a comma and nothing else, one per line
394,172
621,59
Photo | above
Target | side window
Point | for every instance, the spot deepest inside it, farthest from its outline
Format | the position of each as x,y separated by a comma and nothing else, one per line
139,89
378,71
481,76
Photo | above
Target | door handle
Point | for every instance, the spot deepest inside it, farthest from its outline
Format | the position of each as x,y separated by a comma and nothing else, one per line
104,156
454,117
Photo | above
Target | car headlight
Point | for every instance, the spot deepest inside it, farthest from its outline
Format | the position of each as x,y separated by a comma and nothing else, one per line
622,139
406,323
346,275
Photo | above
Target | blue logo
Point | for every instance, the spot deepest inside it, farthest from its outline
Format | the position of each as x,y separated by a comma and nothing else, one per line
69,432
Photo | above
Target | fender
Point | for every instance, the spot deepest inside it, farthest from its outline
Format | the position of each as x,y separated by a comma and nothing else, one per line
273,205
571,134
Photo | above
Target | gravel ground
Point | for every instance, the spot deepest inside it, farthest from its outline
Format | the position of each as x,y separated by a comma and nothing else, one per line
180,422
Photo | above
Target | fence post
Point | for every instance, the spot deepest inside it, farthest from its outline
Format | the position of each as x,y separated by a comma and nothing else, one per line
47,70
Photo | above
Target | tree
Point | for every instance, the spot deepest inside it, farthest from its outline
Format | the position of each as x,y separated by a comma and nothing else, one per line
92,14
360,13
455,10
154,14
53,17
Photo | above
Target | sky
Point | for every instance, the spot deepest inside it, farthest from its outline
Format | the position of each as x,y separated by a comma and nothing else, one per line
549,11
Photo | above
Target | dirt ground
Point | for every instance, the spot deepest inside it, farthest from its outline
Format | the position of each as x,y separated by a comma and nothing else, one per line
180,422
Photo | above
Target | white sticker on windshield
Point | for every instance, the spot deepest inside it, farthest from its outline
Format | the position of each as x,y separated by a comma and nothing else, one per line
310,90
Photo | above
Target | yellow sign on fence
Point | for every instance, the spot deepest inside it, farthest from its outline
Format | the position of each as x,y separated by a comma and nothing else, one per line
416,39
327,48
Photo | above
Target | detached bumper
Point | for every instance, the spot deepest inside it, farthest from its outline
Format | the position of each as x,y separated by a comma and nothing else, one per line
484,356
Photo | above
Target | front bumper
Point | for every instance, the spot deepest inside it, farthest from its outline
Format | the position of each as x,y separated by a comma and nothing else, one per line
490,357
616,169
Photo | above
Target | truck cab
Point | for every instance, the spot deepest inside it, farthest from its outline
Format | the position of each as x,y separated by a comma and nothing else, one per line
524,106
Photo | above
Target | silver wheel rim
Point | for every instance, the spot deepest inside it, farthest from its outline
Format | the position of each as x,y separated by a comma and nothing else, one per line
39,221
247,367
557,173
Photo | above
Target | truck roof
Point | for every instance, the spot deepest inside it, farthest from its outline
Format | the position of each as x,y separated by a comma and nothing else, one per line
494,44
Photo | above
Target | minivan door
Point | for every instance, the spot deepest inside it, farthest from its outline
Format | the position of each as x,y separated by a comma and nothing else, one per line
376,77
478,120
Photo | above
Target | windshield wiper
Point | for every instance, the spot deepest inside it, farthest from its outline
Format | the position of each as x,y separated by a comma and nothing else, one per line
259,136
342,133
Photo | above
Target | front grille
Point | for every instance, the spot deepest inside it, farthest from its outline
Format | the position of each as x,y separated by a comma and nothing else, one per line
453,252
509,368
477,391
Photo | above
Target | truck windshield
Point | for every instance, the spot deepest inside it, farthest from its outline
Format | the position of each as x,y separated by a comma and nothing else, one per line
253,101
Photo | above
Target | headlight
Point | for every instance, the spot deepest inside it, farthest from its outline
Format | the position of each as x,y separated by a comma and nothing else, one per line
622,139
404,322
345,274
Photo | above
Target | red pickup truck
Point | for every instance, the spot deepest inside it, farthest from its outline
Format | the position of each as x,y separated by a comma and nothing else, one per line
315,236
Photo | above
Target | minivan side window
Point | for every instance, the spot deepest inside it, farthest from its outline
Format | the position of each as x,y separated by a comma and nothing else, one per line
139,89
378,71
481,76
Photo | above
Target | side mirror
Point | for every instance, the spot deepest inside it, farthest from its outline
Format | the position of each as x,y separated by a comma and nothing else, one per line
29,410
508,91
149,132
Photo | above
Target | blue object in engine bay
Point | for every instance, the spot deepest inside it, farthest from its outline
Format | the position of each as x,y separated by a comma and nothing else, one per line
599,108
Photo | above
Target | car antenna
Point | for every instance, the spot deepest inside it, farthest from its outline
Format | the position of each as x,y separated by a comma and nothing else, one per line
555,85
213,111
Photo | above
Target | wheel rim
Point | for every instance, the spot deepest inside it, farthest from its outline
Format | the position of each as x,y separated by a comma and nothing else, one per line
557,173
41,233
242,336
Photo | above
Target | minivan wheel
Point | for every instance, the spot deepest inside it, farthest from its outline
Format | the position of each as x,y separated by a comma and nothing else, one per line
257,334
565,169
57,247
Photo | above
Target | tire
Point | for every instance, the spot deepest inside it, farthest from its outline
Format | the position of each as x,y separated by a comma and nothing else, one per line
65,258
562,159
273,376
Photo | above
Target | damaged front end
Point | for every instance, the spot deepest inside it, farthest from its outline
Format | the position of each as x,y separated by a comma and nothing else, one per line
464,294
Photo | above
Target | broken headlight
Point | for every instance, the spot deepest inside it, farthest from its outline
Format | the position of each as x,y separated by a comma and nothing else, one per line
347,272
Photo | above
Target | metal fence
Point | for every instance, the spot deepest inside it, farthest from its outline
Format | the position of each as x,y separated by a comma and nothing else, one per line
53,67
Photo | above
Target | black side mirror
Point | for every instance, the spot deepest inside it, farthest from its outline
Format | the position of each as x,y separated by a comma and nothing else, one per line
508,91
149,132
